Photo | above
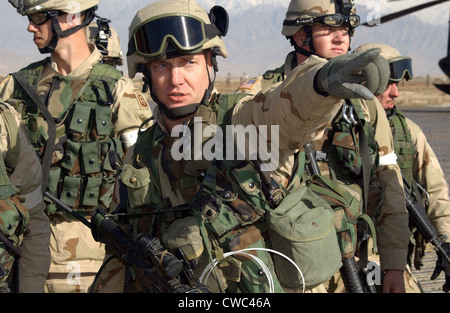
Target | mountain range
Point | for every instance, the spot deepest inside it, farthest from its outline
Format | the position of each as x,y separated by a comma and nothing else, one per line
254,41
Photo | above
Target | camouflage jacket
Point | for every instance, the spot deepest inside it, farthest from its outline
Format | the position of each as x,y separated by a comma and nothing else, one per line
173,184
426,170
392,218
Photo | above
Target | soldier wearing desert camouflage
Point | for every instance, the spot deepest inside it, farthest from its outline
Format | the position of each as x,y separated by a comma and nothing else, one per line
90,112
204,207
418,164
323,29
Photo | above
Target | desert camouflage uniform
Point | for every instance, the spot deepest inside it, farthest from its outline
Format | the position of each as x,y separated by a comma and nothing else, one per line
393,218
73,249
27,177
421,162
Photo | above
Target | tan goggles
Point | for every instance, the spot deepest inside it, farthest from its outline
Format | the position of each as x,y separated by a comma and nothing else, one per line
333,20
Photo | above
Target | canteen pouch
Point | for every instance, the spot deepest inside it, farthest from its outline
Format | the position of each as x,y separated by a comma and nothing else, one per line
302,228
252,278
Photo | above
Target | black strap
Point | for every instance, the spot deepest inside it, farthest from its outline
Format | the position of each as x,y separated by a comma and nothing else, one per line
51,132
366,169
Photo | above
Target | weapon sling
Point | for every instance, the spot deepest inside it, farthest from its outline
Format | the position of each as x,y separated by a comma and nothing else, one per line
50,144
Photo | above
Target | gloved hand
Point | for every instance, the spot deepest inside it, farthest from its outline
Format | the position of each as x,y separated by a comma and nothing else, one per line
355,75
442,265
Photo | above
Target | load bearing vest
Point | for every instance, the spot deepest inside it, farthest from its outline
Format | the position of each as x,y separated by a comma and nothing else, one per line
80,173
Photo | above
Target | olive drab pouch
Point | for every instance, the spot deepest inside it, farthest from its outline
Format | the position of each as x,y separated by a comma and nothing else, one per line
184,234
302,228
347,205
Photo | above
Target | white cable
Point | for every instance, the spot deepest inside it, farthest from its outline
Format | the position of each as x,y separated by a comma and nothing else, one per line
214,263
266,270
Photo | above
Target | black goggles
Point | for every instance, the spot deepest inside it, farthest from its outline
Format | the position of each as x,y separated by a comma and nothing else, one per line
333,20
400,69
185,32
42,17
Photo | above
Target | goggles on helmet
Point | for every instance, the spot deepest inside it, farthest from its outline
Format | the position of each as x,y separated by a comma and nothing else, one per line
332,20
42,17
186,33
400,69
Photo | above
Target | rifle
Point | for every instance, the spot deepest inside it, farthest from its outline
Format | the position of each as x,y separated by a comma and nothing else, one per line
420,220
356,280
157,268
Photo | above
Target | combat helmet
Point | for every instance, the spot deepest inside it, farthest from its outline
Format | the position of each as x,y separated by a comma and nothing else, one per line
304,13
39,11
400,66
171,28
106,40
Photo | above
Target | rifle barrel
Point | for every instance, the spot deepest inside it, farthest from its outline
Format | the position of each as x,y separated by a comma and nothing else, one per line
66,208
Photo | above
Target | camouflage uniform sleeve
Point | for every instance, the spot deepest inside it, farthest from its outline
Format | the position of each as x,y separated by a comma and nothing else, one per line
293,106
428,173
6,87
27,177
129,111
392,223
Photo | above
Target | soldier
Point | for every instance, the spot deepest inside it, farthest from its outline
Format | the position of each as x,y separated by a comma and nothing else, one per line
323,29
210,206
78,112
417,161
107,41
23,221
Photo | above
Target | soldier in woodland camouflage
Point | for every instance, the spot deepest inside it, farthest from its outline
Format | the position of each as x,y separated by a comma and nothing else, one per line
165,192
323,29
95,111
417,161
23,224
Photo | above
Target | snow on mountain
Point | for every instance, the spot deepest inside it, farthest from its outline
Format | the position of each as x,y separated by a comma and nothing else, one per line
254,39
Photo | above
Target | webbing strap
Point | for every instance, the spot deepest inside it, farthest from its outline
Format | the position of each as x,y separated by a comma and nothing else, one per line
50,145
366,169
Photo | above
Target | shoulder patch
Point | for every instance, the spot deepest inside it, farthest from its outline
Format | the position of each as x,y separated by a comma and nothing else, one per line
4,79
141,99
248,84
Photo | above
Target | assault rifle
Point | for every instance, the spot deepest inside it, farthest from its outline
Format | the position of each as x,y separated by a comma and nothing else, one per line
356,279
158,269
420,220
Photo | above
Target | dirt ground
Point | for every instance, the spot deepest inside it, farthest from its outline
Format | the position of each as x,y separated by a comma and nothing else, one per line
418,92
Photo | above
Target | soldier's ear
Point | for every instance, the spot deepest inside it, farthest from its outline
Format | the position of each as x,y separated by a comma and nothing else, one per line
299,37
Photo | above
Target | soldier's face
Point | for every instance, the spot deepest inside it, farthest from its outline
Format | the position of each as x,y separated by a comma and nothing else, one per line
387,98
329,42
42,34
182,80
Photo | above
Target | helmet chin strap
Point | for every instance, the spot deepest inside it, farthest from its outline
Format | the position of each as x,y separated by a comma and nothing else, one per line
390,113
59,33
185,110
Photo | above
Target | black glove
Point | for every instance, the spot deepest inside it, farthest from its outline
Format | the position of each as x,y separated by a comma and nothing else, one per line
443,265
355,75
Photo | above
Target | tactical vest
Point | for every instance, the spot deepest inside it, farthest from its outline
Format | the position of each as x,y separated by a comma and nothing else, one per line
225,198
403,145
80,174
14,217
